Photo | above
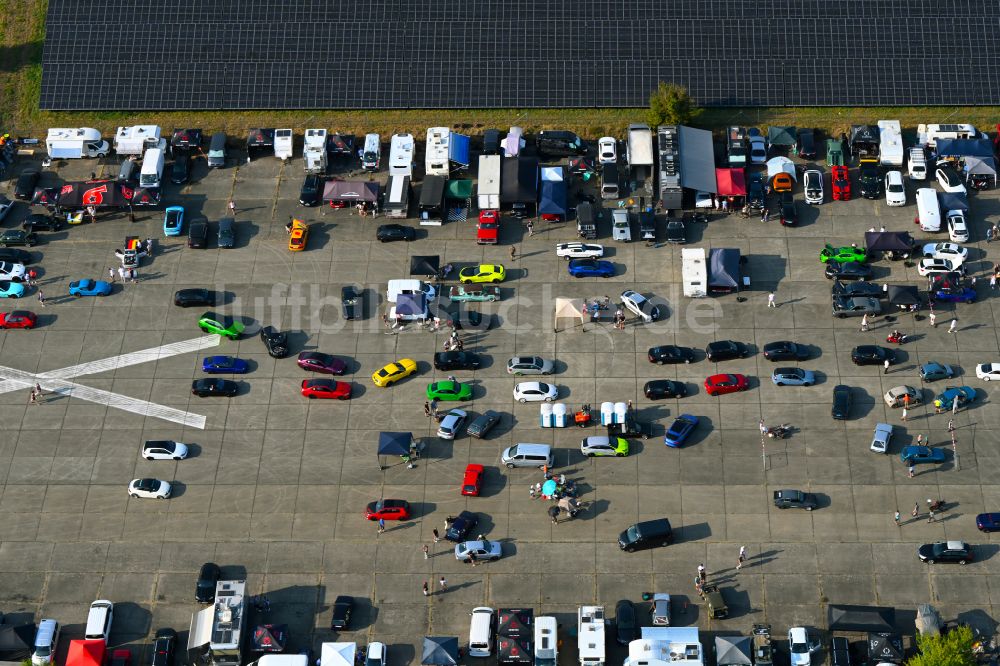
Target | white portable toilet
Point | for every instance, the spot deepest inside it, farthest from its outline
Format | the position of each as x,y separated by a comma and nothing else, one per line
559,415
607,413
546,415
621,411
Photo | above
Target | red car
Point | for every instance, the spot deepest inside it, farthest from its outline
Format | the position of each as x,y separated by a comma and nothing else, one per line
488,229
388,509
17,319
722,384
841,183
322,363
473,481
326,388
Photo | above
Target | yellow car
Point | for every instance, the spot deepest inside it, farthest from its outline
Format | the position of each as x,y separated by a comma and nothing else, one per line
395,371
482,273
298,236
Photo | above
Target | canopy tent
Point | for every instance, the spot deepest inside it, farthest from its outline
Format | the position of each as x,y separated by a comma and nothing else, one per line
260,137
17,641
841,617
96,193
569,308
440,651
985,169
886,241
513,142
724,270
552,173
459,149
953,201
428,265
338,654
731,182
903,294
411,306
519,180
928,620
732,651
432,193
515,622
86,652
459,189
350,190
513,650
270,637
778,135
552,200
697,159
46,196
394,444
885,647
779,164
963,148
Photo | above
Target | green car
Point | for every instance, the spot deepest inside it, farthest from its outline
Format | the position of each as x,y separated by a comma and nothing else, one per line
477,293
842,255
213,322
449,390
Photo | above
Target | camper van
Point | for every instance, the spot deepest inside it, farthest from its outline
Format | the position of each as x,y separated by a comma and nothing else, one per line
65,143
546,641
481,632
151,172
929,135
928,210
890,143
371,153
397,197
694,272
436,160
590,635
401,155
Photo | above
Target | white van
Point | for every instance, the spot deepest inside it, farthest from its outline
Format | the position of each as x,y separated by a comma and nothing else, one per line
481,632
918,164
372,152
151,172
527,455
99,618
546,641
409,286
46,639
928,210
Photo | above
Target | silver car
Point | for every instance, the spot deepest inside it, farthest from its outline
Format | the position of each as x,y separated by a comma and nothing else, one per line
486,551
451,424
855,306
529,365
882,437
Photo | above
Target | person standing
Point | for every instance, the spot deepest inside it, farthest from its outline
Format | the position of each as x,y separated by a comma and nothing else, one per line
427,409
513,252
427,591
531,228
910,470
930,516
702,574
954,325
472,558
886,366
111,275
381,525
770,300
426,551
741,558
933,319
895,517
444,584
916,509
33,398
904,414
993,282
232,207
864,323
437,537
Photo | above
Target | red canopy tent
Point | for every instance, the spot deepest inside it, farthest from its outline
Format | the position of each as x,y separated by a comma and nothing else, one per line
731,182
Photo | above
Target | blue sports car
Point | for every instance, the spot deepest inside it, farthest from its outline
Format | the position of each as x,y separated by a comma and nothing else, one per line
914,455
10,289
963,295
214,365
173,221
591,268
89,288
680,430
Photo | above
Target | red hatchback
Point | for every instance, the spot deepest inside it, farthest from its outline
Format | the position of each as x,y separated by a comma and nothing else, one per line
388,509
322,363
722,384
473,481
326,388
17,319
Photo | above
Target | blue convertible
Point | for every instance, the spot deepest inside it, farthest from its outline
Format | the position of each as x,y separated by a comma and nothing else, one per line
591,268
11,289
173,221
214,365
89,288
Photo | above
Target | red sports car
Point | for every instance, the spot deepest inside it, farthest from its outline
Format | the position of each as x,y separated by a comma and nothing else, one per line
17,319
841,183
722,384
473,481
326,388
322,363
388,509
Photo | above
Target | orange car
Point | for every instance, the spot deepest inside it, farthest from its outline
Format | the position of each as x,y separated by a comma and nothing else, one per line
298,236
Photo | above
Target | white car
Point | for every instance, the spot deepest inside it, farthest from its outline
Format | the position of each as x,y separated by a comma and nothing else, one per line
535,392
988,371
149,489
954,253
895,191
451,424
579,251
812,184
800,647
958,229
5,206
11,271
375,654
948,179
702,199
607,150
929,266
162,449
640,306
758,146
486,551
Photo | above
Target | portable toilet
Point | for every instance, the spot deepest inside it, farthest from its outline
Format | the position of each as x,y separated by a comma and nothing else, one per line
559,415
621,411
607,413
546,415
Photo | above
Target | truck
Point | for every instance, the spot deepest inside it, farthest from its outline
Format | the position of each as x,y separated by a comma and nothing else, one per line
639,153
671,192
590,635
890,143
68,143
134,141
314,151
488,194
436,161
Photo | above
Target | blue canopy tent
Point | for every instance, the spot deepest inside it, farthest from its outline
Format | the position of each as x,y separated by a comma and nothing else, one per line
964,148
953,201
459,150
394,444
553,198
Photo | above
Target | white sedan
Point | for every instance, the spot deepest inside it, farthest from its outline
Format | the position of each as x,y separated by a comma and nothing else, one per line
149,489
160,449
928,266
535,392
988,371
11,271
607,150
640,306
958,229
948,178
579,250
895,191
956,254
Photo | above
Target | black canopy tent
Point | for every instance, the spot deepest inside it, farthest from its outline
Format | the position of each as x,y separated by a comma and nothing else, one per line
440,651
513,650
16,641
953,201
903,294
394,444
270,637
841,617
724,270
885,647
778,135
426,265
732,651
260,142
519,185
887,241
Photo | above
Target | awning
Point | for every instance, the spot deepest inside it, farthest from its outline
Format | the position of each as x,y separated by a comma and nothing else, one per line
732,651
841,617
440,651
886,241
731,182
459,189
781,136
697,159
963,148
348,190
903,294
459,149
953,201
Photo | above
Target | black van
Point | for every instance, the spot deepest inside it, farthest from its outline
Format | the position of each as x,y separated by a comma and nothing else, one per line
491,142
647,534
559,143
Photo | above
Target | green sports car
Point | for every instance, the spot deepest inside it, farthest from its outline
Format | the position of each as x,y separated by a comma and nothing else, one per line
213,322
449,390
842,255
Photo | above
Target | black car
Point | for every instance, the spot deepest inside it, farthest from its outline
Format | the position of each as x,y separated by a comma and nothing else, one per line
806,144
626,627
870,182
17,237
311,194
394,232
785,351
840,651
872,355
945,551
187,298
163,647
842,400
676,231
850,270
794,499
24,189
41,222
15,255
198,233
226,234
647,534
789,212
204,589
755,192
342,607
482,424
351,302
724,350
660,389
180,171
461,525
859,288
456,360
469,320
204,388
275,341
670,354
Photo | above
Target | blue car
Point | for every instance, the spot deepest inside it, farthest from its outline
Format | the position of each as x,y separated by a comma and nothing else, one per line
215,365
89,288
914,455
11,289
964,295
173,221
961,394
680,430
931,371
591,268
988,522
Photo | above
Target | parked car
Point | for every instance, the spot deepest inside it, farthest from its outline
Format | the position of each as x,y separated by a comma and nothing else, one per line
529,365
173,221
149,489
224,365
841,180
579,251
580,268
869,182
857,288
482,273
794,499
680,430
933,370
18,319
988,522
394,232
161,449
39,222
848,271
212,322
326,364
352,306
640,306
842,255
5,206
902,396
793,377
17,238
958,228
872,355
180,170
676,231
89,288
456,360
186,298
535,392
393,372
451,424
660,389
387,509
716,385
948,179
801,646
329,389
881,438
208,576
812,185
485,551
604,446
784,350
988,371
472,481
462,524
917,455
204,388
343,606
482,424
758,146
842,400
945,551
311,193
449,391
963,395
857,306
670,354
164,645
275,341
895,191
607,150
724,350
951,251
198,233
24,187
788,213
626,625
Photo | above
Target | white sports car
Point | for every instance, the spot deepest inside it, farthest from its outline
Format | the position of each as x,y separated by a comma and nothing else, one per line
158,449
535,392
579,251
11,271
988,371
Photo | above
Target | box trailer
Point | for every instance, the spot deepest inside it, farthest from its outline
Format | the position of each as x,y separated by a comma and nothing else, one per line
401,155
136,140
890,143
489,182
436,160
314,151
68,143
397,198
639,153
694,272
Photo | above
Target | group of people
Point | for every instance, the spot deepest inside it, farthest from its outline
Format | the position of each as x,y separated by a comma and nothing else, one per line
619,320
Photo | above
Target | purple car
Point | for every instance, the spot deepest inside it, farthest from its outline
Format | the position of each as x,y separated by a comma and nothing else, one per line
322,363
988,522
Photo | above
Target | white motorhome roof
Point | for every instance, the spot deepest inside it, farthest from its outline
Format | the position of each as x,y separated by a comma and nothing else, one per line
138,132
666,645
74,133
400,149
591,633
438,139
489,174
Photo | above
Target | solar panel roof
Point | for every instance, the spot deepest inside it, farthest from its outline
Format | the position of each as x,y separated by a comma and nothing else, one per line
236,54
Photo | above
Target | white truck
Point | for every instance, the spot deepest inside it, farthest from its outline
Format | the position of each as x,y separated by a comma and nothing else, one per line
590,635
488,195
314,150
890,143
134,141
436,161
283,144
694,272
639,154
67,143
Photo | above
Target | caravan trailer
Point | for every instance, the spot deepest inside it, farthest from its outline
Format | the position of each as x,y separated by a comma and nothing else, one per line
436,160
694,272
136,140
890,143
283,144
401,155
314,151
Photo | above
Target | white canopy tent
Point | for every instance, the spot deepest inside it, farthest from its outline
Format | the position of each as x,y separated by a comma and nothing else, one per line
338,654
569,308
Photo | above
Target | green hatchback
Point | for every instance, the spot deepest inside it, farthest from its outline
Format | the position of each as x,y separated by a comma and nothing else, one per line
449,390
213,322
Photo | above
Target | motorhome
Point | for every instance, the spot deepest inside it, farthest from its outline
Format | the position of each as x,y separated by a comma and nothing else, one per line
136,140
437,158
397,197
401,155
67,143
928,135
666,646
694,272
890,143
371,154
314,151
590,635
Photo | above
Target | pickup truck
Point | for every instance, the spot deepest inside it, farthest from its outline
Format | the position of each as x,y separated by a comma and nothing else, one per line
474,292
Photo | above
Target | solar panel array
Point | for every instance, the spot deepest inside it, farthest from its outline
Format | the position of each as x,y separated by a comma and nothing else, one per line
314,54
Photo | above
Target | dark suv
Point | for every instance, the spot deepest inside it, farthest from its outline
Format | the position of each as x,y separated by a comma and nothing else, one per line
647,534
559,143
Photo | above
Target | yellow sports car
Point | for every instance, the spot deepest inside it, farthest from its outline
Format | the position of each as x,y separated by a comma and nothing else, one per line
395,371
482,273
298,236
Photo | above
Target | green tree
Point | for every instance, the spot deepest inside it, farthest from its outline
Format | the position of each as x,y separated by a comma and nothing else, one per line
670,104
951,649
